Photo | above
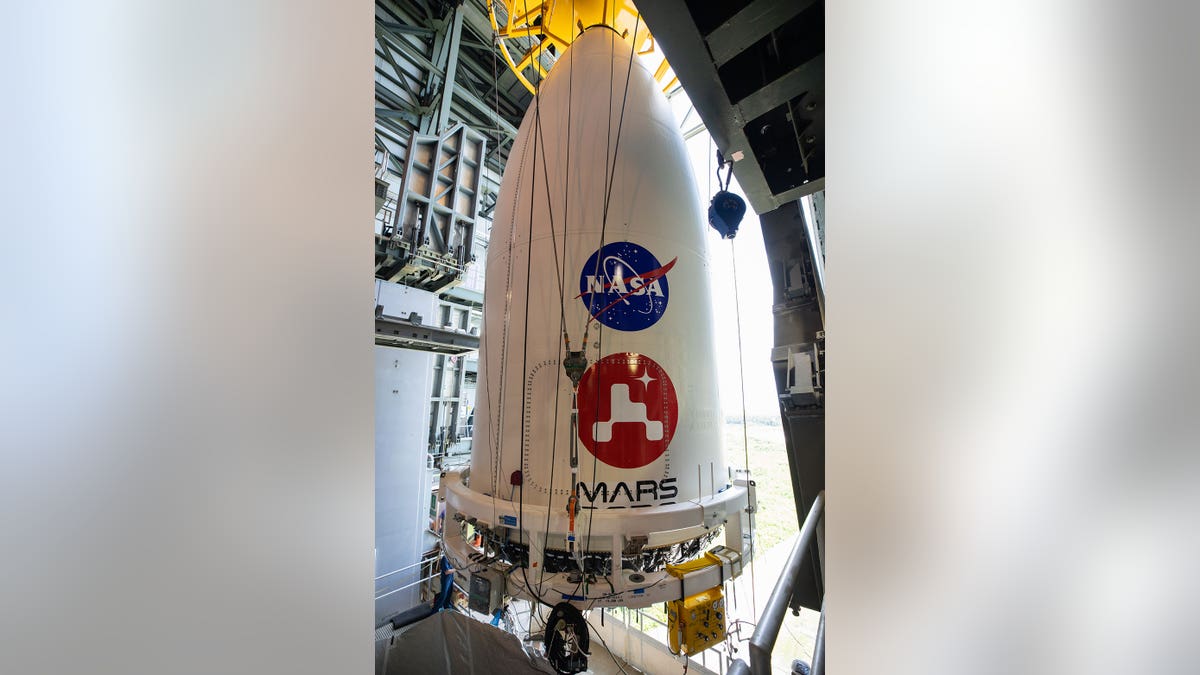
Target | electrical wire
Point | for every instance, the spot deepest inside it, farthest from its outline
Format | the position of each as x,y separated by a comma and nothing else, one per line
790,633
741,372
560,268
487,379
559,272
528,550
498,447
598,264
562,319
567,181
525,361
615,562
537,98
610,173
607,146
737,304
562,272
507,322
621,120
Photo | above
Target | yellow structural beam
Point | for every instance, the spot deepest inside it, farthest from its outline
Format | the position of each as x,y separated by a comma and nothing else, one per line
558,23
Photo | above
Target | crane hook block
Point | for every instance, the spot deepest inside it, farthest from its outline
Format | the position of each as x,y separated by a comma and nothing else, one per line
575,364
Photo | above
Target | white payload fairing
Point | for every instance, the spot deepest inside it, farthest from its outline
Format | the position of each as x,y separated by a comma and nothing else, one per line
598,420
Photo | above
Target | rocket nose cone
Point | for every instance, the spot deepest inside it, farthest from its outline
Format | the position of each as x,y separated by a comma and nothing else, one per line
599,242
597,42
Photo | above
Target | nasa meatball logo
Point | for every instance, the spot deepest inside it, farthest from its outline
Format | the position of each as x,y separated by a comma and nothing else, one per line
624,286
627,410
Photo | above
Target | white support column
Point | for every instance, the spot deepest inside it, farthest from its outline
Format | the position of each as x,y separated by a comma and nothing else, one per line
617,576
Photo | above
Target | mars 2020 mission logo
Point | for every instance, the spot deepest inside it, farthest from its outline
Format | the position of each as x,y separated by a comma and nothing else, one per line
624,286
627,410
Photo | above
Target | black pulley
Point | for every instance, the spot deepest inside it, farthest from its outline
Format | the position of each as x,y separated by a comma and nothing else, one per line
725,213
726,210
566,640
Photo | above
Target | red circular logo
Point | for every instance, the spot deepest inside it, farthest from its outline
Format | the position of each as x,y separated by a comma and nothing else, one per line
627,410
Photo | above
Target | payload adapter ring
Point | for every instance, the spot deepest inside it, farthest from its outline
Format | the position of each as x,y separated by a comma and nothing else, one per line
697,520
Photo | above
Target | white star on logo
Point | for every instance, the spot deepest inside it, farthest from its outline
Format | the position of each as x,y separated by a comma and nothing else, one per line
645,379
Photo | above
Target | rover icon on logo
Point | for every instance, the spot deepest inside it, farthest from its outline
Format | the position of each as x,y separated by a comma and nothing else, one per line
627,410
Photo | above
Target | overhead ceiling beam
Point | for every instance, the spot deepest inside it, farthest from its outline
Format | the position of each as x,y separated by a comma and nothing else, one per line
784,88
420,59
409,48
693,65
473,19
481,106
450,85
406,115
400,28
401,75
750,25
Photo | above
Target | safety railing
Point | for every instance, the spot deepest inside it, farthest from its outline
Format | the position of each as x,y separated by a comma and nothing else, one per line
406,567
426,561
409,585
762,643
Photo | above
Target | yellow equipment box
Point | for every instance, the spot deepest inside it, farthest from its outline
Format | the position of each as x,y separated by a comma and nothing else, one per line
697,622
